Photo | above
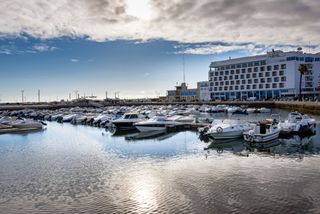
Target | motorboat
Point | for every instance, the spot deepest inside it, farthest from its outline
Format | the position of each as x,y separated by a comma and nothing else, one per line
298,123
127,121
157,123
263,131
233,109
227,129
10,125
263,110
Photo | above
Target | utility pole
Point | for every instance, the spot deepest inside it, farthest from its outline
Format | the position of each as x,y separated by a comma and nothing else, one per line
76,92
22,96
38,95
69,96
106,95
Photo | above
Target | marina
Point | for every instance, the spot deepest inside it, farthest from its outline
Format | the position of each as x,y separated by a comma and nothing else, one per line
68,167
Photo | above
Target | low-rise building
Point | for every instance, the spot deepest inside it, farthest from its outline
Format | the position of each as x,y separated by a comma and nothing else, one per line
182,94
203,91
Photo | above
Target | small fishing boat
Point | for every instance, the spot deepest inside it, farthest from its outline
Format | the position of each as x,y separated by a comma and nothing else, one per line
263,131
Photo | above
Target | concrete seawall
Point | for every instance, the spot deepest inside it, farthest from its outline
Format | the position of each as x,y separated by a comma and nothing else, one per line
306,107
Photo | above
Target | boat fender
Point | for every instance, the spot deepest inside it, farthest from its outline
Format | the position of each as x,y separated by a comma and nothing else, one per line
219,130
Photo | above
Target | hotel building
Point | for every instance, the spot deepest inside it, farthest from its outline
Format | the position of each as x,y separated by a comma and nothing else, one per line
274,74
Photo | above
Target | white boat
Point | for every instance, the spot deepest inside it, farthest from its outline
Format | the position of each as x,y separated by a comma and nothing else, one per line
264,131
127,121
251,110
157,123
263,110
298,123
233,109
227,129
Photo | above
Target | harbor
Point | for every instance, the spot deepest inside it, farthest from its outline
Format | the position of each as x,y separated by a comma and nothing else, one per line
67,167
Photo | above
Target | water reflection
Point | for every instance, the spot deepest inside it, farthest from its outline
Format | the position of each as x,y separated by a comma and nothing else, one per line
78,169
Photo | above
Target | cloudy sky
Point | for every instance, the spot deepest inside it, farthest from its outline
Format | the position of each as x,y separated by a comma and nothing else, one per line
136,46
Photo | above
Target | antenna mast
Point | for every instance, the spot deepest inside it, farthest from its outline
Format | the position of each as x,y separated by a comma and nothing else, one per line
183,68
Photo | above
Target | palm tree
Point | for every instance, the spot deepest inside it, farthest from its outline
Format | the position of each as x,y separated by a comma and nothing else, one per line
303,68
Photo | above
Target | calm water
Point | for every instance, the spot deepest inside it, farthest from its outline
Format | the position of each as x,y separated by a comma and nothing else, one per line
78,169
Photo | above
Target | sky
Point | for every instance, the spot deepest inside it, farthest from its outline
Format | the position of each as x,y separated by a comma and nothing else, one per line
136,47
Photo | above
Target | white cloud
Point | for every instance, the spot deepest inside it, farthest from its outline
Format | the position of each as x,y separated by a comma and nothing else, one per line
43,47
74,60
6,51
272,22
147,74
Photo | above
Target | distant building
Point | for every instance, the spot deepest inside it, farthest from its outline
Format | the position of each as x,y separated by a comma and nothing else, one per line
182,93
203,91
271,75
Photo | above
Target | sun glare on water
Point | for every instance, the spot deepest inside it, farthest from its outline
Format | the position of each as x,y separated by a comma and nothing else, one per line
139,8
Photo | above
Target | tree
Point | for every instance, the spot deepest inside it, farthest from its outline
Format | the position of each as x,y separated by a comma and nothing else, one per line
303,69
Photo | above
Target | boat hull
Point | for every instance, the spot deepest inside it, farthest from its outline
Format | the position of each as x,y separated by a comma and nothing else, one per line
226,135
261,138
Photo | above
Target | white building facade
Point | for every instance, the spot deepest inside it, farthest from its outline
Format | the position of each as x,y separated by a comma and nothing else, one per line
203,91
272,75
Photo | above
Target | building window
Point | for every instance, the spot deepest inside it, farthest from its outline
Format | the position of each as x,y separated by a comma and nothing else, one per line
269,68
269,80
232,82
226,73
260,86
257,63
230,87
243,81
256,80
238,71
267,85
262,80
220,88
248,86
260,74
281,73
242,76
283,79
249,81
276,79
220,78
242,87
254,75
236,87
238,82
233,66
221,73
261,68
215,79
244,65
274,85
281,85
250,64
248,76
238,65
276,67
221,83
226,88
249,70
254,86
283,66
230,77
274,73
256,69
227,82
232,72
227,67
263,62
215,88
267,74
243,71
216,73
236,77
225,78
